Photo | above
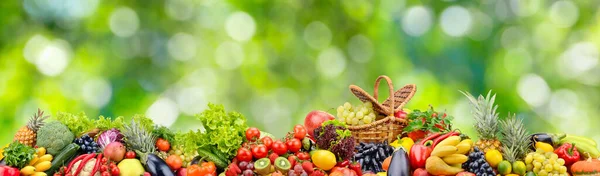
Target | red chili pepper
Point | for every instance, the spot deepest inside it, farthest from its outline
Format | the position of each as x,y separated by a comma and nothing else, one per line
442,137
74,161
343,163
97,165
82,163
418,155
569,153
430,137
356,168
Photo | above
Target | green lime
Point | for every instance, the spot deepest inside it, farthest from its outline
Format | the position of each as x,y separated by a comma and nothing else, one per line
504,167
518,167
530,173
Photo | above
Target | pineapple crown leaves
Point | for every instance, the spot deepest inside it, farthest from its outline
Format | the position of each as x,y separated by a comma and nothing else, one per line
139,139
515,138
37,120
484,111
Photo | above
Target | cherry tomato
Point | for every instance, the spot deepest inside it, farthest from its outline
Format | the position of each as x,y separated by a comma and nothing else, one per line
104,160
267,141
174,162
130,154
299,132
163,145
115,171
303,156
260,151
279,148
244,154
294,145
147,174
106,173
103,168
252,134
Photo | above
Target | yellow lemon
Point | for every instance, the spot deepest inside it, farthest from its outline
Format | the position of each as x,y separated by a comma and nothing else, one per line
493,157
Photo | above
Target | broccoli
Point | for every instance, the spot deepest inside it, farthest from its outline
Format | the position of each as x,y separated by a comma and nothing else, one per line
54,136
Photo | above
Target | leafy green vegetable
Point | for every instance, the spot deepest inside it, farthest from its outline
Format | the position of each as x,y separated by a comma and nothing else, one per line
164,132
18,155
78,124
144,121
186,142
429,120
223,131
106,123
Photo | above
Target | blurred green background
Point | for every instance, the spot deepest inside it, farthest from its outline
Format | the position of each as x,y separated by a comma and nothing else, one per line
275,61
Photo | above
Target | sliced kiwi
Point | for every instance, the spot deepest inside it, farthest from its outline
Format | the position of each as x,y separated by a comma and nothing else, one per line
262,166
282,164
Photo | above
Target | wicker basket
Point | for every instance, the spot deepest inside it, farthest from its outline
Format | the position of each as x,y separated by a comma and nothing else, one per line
388,128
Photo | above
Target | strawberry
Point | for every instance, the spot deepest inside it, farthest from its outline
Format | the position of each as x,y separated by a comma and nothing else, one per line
317,173
308,167
293,159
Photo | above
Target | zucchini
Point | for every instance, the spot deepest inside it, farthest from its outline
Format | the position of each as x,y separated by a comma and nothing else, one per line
212,157
63,157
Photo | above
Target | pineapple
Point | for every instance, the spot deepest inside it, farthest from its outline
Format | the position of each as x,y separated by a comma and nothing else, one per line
515,141
28,134
140,140
486,121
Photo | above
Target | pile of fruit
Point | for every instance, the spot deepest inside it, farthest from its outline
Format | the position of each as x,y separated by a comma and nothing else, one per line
75,145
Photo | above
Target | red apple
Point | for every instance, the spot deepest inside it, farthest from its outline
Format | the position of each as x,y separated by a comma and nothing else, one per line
465,174
314,119
421,172
401,114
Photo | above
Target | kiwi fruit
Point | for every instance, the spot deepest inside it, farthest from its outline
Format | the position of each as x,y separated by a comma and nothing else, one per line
262,166
282,164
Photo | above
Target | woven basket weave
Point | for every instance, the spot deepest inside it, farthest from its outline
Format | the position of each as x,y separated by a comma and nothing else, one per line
388,128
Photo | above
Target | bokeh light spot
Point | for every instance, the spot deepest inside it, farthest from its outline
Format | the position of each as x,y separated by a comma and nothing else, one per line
229,55
331,62
482,26
179,9
240,26
525,8
54,58
124,22
564,13
182,46
96,92
533,89
578,59
317,35
34,46
456,21
513,37
163,112
417,21
563,104
360,49
190,99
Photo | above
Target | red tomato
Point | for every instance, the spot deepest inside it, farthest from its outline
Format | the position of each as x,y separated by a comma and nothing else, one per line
299,132
103,168
130,154
115,171
267,141
244,154
260,151
106,173
279,148
209,166
303,156
294,145
162,144
174,162
252,134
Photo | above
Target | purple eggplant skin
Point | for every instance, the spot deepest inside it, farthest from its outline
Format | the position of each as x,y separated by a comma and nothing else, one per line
400,165
158,167
549,138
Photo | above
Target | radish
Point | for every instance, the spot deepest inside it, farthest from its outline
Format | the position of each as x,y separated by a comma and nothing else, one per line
114,151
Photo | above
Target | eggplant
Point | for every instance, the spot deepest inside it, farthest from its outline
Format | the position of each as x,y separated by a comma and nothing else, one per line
400,165
549,138
157,167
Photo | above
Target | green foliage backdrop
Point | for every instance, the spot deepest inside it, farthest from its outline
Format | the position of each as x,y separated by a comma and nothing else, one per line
275,61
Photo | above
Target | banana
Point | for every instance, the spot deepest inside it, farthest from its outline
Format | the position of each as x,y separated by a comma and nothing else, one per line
46,157
27,170
464,147
450,141
578,140
442,151
41,151
34,160
455,159
43,166
587,150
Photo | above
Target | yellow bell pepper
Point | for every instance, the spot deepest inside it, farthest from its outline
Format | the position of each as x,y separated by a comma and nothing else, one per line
2,151
406,143
544,146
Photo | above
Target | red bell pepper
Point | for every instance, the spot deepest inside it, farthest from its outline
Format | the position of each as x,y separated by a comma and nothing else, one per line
569,153
356,167
9,171
418,155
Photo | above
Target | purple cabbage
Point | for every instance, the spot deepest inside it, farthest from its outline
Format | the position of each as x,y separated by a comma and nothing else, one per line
109,136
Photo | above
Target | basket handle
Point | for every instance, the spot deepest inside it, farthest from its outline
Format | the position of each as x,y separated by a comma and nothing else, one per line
391,89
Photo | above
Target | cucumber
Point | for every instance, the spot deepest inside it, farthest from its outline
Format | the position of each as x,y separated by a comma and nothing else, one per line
63,157
219,154
212,157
